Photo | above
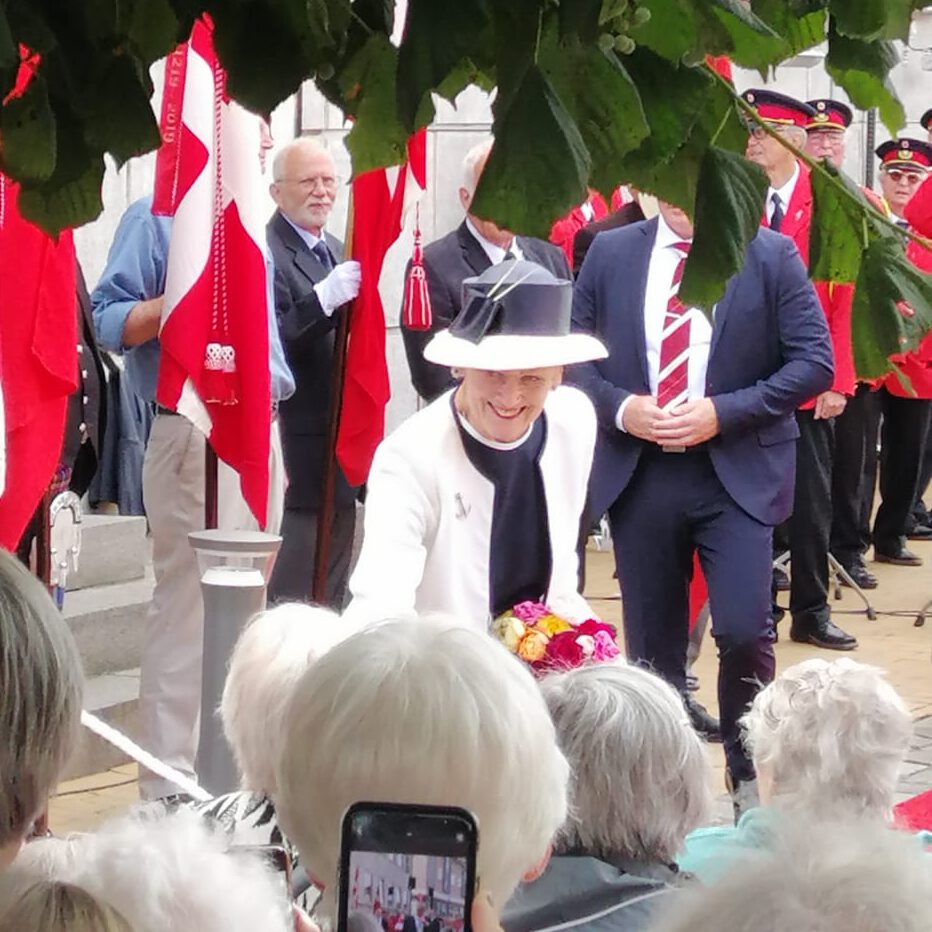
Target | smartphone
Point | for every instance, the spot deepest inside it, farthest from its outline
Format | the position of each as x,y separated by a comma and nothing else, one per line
407,868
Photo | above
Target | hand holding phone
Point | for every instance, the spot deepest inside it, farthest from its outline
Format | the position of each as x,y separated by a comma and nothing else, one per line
407,868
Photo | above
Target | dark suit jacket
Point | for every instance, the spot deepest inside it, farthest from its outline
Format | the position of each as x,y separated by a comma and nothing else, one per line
447,261
770,351
307,336
629,213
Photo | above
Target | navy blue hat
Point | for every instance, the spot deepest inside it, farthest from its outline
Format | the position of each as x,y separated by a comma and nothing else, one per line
774,107
904,152
829,114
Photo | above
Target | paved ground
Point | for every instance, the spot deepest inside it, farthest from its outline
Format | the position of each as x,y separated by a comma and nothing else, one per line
891,642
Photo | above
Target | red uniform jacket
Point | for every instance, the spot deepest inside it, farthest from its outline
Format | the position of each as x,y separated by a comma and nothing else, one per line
835,298
917,365
564,230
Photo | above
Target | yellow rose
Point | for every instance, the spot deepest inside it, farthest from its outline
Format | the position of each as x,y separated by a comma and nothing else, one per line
533,647
551,625
509,630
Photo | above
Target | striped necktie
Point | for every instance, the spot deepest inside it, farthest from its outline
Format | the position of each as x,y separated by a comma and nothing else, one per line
776,218
673,380
323,254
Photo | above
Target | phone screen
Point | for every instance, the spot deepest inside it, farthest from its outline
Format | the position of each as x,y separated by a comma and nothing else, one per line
407,869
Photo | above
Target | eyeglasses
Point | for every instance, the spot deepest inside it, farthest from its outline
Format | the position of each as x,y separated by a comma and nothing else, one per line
911,178
328,182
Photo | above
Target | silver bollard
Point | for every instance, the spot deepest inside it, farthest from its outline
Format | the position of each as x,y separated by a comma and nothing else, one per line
235,568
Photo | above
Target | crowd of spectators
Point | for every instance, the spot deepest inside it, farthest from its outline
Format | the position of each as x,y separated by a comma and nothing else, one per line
590,787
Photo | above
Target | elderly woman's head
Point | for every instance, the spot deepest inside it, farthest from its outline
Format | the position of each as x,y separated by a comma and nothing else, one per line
829,734
423,711
41,686
640,775
503,405
52,906
270,657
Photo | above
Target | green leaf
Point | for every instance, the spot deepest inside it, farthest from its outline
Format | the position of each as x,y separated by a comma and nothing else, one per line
153,30
878,330
71,195
602,100
424,63
752,43
580,18
801,25
117,114
262,53
728,210
9,54
873,19
537,148
27,128
841,227
378,137
671,31
862,69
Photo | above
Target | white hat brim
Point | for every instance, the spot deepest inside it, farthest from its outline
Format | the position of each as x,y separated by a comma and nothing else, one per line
502,353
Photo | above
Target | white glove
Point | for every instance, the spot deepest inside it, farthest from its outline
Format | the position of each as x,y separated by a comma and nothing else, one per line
340,286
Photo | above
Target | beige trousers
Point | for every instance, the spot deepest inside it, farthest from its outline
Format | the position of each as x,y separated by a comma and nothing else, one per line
173,493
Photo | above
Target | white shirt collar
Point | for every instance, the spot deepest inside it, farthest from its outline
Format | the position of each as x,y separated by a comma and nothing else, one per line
495,253
309,238
665,236
785,192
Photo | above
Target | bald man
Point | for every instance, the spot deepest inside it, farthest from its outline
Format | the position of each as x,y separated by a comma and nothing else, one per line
312,287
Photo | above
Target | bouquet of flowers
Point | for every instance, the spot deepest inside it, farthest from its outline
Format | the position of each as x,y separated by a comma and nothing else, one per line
546,641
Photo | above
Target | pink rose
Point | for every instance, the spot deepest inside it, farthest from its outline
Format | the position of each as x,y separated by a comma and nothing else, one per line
605,647
530,612
592,627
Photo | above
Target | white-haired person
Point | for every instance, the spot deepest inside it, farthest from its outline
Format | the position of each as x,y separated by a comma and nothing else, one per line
271,655
827,738
474,503
424,711
54,906
41,688
639,783
816,876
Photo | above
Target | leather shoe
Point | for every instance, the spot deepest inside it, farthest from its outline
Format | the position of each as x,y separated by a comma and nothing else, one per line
920,532
861,576
707,728
828,635
781,581
899,557
744,794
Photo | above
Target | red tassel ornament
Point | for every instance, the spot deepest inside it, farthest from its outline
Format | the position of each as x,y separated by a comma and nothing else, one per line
417,314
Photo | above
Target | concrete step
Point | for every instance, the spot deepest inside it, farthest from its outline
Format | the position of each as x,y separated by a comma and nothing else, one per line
113,697
107,623
114,549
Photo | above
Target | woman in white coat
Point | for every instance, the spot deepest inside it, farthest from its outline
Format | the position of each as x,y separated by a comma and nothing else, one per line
474,503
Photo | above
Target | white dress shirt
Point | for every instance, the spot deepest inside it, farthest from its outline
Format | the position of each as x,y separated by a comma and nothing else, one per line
663,261
495,253
784,192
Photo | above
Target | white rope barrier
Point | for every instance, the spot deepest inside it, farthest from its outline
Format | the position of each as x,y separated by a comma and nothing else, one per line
129,747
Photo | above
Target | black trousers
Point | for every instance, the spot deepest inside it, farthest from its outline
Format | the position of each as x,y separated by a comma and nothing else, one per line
673,507
920,514
903,431
293,575
855,448
811,523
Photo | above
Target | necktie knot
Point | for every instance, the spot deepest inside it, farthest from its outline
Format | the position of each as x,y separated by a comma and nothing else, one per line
323,254
683,246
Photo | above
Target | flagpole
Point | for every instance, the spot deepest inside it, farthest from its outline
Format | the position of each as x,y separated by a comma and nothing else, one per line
329,478
210,486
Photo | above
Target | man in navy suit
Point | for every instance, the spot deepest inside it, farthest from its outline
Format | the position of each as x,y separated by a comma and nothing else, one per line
697,443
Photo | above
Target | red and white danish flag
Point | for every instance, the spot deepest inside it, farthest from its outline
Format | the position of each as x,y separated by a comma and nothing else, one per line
214,332
381,199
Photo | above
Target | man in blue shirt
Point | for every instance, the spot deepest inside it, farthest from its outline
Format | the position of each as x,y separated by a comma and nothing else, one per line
127,307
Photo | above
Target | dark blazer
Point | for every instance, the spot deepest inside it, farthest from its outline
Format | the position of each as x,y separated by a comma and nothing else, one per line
307,336
447,261
770,352
629,213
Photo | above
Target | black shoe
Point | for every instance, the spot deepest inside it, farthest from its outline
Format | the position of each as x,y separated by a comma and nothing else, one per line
744,795
860,575
900,556
781,580
706,727
827,635
920,532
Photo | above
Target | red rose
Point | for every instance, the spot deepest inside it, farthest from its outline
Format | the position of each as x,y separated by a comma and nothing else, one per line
592,627
563,651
